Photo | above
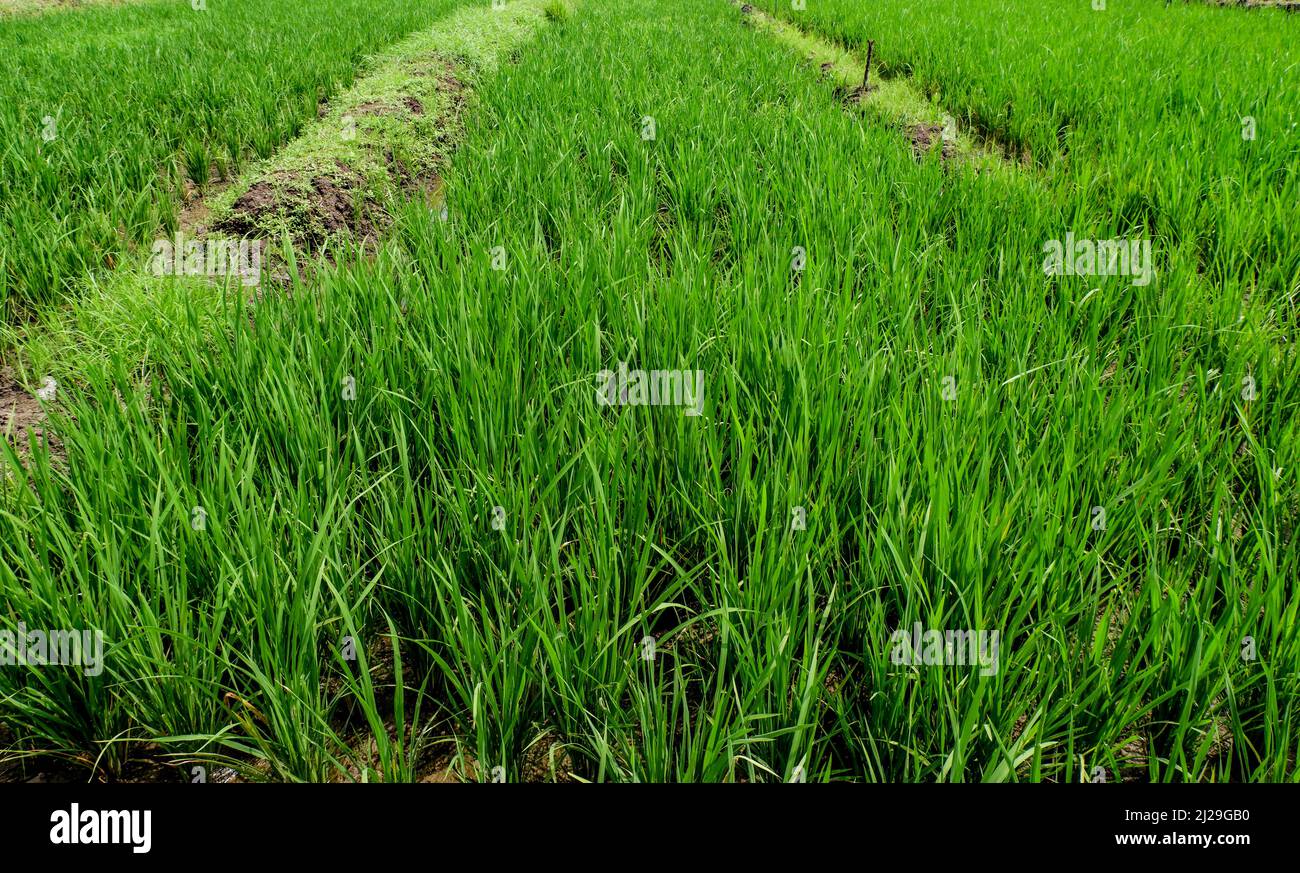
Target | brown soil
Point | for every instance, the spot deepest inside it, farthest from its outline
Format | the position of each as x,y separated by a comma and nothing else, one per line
375,107
195,217
449,83
195,214
855,96
41,771
925,137
337,203
328,205
333,202
37,769
18,409
20,412
442,772
547,753
1132,760
256,200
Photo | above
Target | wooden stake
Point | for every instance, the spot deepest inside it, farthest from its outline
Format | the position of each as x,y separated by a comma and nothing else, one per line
866,74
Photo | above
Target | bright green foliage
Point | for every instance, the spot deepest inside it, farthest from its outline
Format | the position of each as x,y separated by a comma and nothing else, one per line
105,112
880,349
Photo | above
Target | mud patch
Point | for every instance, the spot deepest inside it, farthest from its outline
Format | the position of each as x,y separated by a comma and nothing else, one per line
857,96
442,772
546,760
256,200
195,213
1131,758
348,200
311,210
408,102
195,217
454,766
149,765
20,413
19,410
925,137
455,89
333,202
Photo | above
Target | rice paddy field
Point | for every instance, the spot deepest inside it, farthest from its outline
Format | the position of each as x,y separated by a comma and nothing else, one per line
649,391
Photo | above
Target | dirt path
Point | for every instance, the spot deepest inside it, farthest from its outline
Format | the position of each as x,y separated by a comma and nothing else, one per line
385,139
893,100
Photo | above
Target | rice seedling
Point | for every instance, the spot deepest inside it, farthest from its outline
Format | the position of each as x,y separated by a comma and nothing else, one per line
1174,121
711,434
109,114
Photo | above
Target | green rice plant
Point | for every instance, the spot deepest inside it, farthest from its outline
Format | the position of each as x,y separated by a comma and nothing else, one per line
1177,121
903,427
109,113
